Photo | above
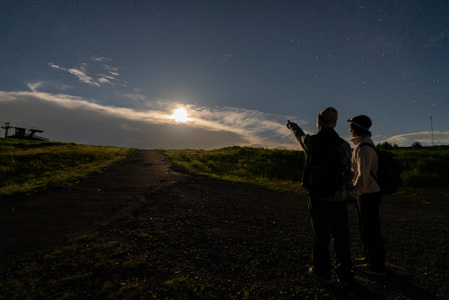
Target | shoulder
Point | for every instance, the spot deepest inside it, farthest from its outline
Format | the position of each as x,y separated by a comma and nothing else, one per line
367,143
344,145
366,148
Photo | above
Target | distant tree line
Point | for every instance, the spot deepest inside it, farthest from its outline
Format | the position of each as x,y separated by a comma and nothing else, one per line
387,145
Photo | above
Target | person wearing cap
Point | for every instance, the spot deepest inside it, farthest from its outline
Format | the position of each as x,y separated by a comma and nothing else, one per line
327,195
366,193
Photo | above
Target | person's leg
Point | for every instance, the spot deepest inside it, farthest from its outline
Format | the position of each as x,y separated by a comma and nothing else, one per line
371,232
340,233
321,237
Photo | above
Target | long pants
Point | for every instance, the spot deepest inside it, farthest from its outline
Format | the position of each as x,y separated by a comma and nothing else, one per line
369,205
330,219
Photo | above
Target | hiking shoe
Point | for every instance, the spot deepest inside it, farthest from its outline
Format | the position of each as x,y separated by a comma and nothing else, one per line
319,277
369,270
361,260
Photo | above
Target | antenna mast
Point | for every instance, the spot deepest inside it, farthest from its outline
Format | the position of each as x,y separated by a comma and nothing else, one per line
431,127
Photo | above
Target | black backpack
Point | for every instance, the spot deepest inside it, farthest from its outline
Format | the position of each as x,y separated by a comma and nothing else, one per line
389,171
323,170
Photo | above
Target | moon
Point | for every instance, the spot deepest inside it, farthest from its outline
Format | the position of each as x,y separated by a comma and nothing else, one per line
180,115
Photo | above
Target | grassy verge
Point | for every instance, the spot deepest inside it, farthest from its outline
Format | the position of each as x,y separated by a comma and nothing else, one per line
282,169
272,168
424,167
27,166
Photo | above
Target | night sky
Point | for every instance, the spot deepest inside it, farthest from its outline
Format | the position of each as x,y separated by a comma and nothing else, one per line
113,72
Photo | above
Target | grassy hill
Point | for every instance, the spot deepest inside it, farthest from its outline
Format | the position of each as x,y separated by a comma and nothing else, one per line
34,165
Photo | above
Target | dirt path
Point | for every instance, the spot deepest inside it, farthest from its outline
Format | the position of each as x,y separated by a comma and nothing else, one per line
237,238
32,222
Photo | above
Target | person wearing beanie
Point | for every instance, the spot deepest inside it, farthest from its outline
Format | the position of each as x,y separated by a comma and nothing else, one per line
327,176
366,194
327,118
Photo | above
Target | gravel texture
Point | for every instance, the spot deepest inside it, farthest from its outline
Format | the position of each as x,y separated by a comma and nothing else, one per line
238,240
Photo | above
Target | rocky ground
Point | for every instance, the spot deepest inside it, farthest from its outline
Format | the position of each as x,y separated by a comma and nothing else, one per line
237,241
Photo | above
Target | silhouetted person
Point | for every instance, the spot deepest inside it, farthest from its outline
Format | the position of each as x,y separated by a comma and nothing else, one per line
327,176
366,192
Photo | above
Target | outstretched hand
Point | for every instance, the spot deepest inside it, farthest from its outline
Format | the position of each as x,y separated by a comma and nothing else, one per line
289,124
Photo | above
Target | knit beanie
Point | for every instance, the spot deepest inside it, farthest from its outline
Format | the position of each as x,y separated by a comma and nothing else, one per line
327,118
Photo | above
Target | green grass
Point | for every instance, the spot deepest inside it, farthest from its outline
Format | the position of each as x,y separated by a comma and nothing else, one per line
27,166
424,167
272,168
86,268
80,267
185,288
282,169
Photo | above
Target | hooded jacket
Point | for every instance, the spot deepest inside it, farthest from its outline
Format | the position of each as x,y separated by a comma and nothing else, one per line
364,163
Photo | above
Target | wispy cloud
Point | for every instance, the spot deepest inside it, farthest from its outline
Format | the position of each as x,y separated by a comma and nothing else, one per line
80,73
425,138
100,59
34,87
95,73
261,129
38,86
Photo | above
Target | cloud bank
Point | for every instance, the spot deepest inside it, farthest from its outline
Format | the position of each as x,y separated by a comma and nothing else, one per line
69,118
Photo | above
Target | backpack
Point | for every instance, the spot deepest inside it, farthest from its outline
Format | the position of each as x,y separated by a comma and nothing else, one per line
323,171
389,171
